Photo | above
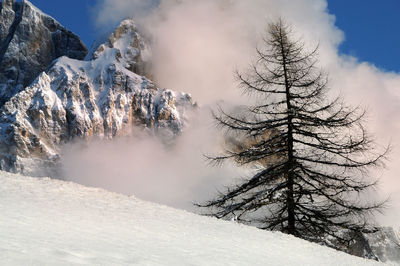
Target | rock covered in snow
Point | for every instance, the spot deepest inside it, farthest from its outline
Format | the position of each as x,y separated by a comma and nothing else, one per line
132,51
382,245
102,98
361,247
29,42
385,244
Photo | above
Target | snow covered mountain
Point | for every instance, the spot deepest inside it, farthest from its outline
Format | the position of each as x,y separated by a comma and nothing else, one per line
103,97
96,227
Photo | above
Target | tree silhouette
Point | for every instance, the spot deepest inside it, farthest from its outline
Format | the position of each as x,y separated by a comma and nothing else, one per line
313,155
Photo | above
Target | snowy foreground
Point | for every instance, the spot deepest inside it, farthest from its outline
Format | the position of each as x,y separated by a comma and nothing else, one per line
51,222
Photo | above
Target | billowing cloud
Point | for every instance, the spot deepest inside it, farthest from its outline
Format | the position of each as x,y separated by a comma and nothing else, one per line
197,45
176,175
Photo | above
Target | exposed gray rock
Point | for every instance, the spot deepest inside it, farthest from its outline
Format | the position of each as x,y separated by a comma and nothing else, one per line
361,247
29,42
8,35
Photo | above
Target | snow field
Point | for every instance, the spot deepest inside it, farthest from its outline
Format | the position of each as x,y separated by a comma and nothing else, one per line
52,222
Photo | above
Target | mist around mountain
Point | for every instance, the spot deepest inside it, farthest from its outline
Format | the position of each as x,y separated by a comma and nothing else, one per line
102,97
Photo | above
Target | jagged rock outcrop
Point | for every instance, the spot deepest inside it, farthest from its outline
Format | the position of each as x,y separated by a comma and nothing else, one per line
29,42
102,97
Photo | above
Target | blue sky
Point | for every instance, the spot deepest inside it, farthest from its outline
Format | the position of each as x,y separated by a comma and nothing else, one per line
76,15
368,26
370,29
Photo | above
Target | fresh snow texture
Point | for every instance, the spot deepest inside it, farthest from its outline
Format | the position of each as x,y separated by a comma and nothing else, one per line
51,222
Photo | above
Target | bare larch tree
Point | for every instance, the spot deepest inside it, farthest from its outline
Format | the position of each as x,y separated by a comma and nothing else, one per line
313,155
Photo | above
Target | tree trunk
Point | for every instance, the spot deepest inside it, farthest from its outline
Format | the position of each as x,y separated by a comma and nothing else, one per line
289,169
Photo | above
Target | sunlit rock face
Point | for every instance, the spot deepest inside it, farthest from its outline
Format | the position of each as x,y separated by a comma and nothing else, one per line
105,96
29,42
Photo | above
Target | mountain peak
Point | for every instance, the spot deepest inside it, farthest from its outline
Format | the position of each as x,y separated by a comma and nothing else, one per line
126,46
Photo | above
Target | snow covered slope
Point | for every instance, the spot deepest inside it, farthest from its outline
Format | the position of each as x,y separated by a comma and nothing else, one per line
51,222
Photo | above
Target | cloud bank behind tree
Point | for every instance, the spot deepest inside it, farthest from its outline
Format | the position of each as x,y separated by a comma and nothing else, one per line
197,46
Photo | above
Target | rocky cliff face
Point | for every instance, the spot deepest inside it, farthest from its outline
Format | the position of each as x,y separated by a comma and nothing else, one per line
29,42
103,97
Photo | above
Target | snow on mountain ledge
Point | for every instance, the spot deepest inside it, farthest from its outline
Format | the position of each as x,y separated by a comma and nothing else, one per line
104,98
50,222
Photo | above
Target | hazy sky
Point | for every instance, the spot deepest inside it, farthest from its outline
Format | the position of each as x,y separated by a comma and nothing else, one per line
368,26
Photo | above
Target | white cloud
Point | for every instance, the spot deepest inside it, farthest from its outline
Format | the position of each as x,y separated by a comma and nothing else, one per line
141,165
198,44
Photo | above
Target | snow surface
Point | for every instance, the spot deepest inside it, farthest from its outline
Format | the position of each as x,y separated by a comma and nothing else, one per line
52,222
